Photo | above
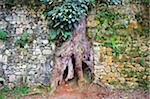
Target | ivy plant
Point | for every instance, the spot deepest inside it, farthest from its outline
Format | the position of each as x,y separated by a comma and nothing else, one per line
3,34
115,1
64,18
22,40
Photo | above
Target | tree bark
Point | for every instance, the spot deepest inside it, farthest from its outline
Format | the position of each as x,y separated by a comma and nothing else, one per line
77,49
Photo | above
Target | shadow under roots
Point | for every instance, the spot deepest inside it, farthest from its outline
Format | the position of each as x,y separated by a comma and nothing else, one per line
86,72
75,78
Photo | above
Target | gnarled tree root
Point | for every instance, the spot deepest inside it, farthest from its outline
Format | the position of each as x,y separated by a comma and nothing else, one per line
77,48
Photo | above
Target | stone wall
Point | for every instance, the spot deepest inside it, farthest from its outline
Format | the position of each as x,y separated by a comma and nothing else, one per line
129,69
33,62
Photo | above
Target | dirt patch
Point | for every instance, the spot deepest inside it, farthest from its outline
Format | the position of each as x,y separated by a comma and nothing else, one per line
90,91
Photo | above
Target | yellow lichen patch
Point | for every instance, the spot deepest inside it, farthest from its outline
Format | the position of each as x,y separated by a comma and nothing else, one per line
108,59
132,84
91,22
120,56
121,79
102,49
141,69
148,77
120,65
109,51
144,48
111,74
144,77
124,50
134,25
106,79
130,65
107,69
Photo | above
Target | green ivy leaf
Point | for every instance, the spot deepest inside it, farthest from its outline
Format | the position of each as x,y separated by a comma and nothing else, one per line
57,24
3,34
25,36
53,34
68,33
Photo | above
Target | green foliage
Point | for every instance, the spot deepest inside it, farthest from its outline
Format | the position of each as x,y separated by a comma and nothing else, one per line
64,18
114,45
141,61
8,2
128,45
3,35
49,88
4,90
96,2
110,20
20,90
17,90
143,81
115,1
142,77
21,41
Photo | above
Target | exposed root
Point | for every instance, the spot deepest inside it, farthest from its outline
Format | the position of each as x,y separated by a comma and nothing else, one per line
77,46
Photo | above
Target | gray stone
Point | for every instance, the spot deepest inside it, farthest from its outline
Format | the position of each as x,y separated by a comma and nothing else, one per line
33,66
19,30
3,25
30,31
33,57
42,58
1,44
10,26
12,78
26,46
1,71
3,59
33,61
13,22
53,46
18,73
24,66
7,52
34,41
31,72
52,63
5,67
44,79
47,51
45,42
9,18
37,51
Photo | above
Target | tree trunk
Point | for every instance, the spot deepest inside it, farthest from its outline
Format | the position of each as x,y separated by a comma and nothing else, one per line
71,55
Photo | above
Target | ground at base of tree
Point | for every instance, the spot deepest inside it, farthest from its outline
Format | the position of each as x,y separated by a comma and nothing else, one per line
88,91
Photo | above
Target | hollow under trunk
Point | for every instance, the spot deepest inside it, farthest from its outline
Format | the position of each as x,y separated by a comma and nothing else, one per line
71,56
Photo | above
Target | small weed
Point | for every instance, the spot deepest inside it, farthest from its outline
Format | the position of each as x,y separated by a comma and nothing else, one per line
20,90
49,88
4,90
114,82
141,61
21,41
17,90
114,45
87,77
3,34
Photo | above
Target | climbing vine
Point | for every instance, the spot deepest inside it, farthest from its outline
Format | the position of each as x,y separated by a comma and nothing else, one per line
64,18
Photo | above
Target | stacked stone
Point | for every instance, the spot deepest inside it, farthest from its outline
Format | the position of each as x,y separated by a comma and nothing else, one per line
98,65
32,63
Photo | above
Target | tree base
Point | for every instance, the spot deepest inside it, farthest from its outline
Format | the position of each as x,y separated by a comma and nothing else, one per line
71,56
